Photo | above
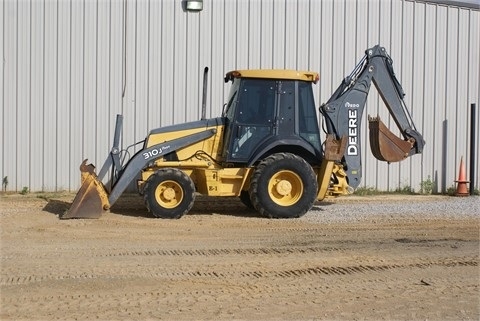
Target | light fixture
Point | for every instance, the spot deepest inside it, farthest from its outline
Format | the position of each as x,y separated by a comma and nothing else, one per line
194,5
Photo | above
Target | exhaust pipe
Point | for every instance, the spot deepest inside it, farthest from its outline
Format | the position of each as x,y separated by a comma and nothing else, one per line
204,96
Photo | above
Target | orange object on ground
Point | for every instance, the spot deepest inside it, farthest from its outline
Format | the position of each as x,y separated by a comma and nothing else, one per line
462,180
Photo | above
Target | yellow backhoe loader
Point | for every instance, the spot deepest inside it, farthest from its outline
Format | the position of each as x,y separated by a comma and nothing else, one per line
265,149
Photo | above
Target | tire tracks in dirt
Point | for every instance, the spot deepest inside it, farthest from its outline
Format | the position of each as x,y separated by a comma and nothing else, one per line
212,290
177,252
194,271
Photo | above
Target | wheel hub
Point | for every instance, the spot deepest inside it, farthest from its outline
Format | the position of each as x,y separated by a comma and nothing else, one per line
169,194
283,187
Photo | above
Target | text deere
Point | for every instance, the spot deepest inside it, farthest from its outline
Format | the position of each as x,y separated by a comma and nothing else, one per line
352,148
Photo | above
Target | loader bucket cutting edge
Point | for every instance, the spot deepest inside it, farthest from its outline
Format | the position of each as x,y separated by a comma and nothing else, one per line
91,199
385,145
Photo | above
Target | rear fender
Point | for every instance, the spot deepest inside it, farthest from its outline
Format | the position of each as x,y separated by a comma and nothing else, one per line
281,145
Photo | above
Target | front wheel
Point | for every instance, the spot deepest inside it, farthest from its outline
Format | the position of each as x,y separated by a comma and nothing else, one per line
169,193
283,186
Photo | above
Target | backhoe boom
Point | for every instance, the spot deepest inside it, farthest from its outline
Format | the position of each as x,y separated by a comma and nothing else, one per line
343,113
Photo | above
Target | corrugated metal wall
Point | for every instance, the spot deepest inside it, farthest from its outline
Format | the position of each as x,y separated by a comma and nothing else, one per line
70,66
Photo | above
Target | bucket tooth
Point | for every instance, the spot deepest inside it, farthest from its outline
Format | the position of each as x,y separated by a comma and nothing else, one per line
91,199
385,145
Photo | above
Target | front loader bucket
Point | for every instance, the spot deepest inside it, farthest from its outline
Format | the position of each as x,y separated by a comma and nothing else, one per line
384,144
91,199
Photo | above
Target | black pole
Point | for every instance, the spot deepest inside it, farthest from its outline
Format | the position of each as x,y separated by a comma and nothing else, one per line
472,148
204,96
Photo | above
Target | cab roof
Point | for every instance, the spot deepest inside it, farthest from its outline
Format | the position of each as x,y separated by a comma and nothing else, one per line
273,74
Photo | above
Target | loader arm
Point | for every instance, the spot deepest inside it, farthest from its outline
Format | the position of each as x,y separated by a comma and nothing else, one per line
113,160
148,155
343,113
91,199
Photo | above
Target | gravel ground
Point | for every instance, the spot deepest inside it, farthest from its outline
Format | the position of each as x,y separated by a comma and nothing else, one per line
392,207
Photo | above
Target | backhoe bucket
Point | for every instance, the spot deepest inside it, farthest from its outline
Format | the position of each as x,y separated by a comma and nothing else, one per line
91,199
384,144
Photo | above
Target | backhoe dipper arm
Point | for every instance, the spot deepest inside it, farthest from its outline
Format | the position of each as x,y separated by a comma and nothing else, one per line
343,113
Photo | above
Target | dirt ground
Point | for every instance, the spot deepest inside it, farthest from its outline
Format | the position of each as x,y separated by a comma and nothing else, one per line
223,262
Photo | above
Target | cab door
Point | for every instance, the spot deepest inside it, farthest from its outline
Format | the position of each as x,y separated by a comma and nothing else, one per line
286,111
254,118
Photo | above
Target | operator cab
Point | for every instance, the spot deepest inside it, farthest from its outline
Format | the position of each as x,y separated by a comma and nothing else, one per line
267,109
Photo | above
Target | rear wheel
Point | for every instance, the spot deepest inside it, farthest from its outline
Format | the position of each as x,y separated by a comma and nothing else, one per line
283,186
169,193
245,199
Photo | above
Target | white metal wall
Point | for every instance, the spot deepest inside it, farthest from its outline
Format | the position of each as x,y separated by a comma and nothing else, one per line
70,66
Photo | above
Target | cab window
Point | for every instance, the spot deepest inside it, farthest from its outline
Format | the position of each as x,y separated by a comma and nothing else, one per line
307,120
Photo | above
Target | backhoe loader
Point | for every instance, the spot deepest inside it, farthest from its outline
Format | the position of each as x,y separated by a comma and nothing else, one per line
265,148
